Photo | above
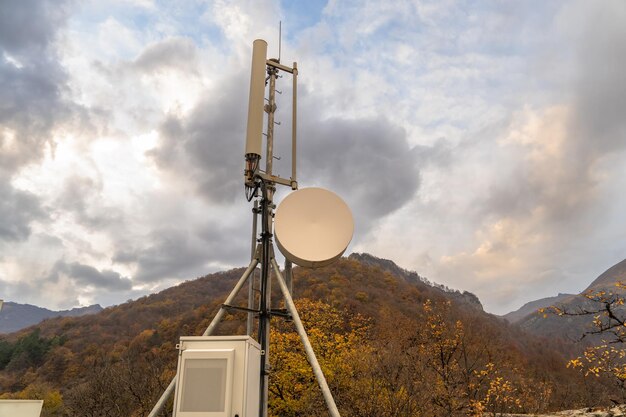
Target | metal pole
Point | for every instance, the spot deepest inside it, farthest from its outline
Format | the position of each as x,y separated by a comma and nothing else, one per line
264,308
218,317
289,276
267,207
294,121
270,108
310,354
250,322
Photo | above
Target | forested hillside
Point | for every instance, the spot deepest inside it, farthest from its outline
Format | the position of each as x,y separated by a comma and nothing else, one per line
390,345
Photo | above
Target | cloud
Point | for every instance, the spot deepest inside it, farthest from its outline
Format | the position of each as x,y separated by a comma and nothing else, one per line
68,284
367,161
88,275
32,80
551,176
188,250
31,103
30,24
206,147
562,149
82,196
599,82
172,53
18,209
172,254
31,106
244,20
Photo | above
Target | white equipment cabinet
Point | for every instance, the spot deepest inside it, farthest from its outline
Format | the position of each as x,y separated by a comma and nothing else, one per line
218,376
20,408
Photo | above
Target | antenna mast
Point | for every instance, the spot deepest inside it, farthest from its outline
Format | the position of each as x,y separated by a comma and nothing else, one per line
260,186
266,183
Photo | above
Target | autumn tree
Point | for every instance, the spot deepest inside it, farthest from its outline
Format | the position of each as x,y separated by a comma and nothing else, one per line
389,380
606,360
28,351
52,398
124,383
337,339
441,349
101,394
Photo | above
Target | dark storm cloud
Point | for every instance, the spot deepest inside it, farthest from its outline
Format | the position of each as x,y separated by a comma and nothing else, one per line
30,105
18,209
179,254
207,146
30,24
439,154
32,80
172,53
366,161
601,84
89,276
227,244
31,102
82,197
172,254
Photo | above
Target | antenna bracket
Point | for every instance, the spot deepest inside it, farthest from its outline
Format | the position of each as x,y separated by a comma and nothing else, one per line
272,63
277,180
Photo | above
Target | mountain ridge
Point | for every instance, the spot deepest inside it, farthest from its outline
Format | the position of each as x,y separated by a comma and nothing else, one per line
16,316
609,277
531,307
413,277
571,327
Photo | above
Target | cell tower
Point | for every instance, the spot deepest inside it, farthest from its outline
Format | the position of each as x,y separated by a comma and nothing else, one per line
227,376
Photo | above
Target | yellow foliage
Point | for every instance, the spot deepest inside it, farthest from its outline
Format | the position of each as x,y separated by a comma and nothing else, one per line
52,399
336,338
602,360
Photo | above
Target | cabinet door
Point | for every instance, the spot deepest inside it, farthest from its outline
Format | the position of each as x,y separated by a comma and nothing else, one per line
205,383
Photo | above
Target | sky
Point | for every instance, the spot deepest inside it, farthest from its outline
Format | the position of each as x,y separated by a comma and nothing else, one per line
481,144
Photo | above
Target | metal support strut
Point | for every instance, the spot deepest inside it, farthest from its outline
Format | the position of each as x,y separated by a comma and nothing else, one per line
310,354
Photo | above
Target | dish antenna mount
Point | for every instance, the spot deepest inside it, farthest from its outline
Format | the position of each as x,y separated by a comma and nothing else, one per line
313,228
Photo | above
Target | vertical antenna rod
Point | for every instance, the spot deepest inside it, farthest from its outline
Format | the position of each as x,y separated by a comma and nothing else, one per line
267,209
280,37
294,125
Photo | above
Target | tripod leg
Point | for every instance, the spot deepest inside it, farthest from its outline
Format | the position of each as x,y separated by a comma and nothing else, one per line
317,370
218,317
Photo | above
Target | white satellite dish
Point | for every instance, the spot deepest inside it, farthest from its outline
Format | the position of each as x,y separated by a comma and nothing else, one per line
313,227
